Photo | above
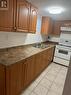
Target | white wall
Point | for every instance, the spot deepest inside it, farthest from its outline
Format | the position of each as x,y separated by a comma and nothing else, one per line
10,39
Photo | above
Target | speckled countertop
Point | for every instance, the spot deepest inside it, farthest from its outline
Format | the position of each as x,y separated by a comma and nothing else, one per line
12,55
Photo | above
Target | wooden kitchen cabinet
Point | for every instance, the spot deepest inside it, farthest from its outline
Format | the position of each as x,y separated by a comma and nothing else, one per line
38,64
66,23
29,70
41,62
56,28
43,59
46,26
47,57
14,79
23,13
20,16
33,19
7,17
2,80
50,54
60,23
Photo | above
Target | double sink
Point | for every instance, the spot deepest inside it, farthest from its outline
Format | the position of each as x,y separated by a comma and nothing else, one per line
40,45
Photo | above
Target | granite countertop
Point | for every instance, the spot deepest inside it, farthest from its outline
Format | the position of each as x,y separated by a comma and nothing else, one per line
12,55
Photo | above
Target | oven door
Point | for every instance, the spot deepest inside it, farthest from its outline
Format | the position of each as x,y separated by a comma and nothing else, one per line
62,53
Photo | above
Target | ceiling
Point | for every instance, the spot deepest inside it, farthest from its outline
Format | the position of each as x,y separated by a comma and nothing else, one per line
42,6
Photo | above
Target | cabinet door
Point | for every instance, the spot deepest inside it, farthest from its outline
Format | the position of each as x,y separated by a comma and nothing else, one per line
38,64
2,80
50,54
46,26
60,23
23,9
45,60
56,28
33,19
7,15
41,61
14,79
66,23
29,69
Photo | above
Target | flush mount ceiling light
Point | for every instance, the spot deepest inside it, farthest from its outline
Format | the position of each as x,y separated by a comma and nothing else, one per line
55,10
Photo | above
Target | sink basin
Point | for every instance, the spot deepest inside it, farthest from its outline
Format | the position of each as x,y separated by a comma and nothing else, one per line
42,46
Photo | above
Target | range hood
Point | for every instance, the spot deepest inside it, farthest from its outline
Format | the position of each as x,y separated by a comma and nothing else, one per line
65,29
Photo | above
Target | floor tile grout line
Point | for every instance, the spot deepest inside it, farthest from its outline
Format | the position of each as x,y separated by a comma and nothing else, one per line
51,86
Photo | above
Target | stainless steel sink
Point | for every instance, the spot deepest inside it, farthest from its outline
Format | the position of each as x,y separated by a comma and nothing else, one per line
39,45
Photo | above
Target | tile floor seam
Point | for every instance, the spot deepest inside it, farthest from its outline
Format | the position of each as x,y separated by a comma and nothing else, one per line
48,72
35,88
50,86
37,85
49,79
45,87
50,89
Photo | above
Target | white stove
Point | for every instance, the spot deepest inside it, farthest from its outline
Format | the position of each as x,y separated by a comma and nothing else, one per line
63,50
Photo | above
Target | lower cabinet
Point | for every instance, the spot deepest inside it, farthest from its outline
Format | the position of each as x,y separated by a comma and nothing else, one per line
2,80
43,59
38,64
50,54
16,77
28,71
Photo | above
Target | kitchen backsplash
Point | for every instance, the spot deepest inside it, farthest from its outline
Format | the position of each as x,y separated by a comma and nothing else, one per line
10,39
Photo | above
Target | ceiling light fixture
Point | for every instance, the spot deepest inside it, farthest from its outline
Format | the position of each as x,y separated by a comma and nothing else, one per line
55,10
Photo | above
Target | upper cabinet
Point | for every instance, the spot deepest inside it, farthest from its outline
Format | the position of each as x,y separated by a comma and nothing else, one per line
7,15
46,26
56,28
33,19
57,24
19,16
66,23
23,13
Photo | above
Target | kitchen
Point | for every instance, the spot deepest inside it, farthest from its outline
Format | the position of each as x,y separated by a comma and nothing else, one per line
35,46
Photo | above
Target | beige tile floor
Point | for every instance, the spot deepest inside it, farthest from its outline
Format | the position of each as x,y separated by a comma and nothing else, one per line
50,82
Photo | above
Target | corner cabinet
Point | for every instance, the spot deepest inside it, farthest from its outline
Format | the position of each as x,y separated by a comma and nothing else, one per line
46,26
19,16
